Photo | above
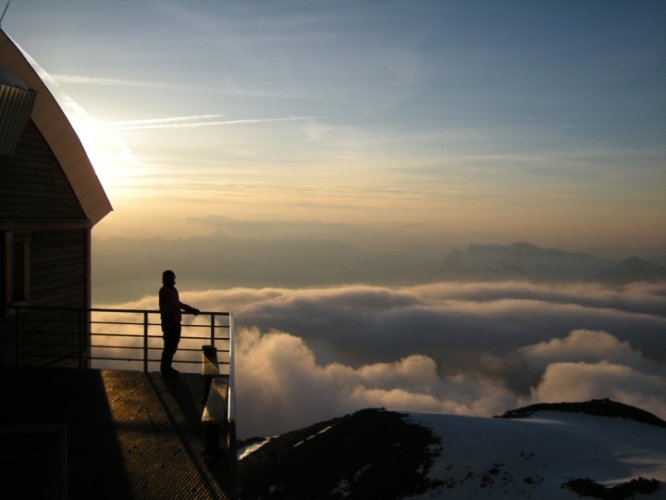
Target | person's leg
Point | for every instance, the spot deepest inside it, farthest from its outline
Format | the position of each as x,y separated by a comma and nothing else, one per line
171,336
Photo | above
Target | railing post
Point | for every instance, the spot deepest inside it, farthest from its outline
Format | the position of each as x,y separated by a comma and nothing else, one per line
212,329
231,398
145,342
17,339
81,337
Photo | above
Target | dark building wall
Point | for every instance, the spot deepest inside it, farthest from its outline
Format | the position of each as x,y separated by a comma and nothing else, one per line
58,278
58,274
39,209
32,183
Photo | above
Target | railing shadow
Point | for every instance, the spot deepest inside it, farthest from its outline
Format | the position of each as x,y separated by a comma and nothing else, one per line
183,396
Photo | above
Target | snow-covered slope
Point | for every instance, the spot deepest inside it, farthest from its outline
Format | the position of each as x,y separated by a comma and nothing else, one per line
536,456
545,454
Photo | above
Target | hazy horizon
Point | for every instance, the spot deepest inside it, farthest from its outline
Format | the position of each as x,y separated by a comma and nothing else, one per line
309,254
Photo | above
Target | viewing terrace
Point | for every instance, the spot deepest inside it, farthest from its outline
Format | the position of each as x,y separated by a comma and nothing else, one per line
90,416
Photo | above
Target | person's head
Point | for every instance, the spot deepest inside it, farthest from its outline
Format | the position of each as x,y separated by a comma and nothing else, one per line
168,278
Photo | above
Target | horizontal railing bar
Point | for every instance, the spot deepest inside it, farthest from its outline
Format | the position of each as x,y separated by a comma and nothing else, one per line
50,324
118,346
111,346
48,344
43,356
132,323
103,309
125,335
75,356
140,334
185,328
156,338
45,333
28,354
137,323
140,360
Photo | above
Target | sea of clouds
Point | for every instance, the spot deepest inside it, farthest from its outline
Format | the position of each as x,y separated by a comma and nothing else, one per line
305,355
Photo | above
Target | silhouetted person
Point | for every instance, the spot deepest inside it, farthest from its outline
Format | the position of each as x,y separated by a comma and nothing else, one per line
170,313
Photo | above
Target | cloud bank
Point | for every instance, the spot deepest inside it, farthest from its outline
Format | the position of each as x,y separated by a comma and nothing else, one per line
309,354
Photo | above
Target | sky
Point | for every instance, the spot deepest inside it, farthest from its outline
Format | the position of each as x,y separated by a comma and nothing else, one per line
356,137
442,123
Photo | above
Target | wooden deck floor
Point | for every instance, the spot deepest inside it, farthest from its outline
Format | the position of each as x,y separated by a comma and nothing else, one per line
130,435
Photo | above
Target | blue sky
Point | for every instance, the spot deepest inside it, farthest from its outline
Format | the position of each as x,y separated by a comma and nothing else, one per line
451,122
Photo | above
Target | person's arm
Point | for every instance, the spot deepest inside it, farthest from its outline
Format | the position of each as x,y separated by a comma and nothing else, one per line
189,309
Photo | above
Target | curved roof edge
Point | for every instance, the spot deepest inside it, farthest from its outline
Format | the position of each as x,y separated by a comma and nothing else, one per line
59,133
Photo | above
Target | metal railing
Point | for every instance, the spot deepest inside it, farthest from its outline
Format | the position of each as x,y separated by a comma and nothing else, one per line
121,339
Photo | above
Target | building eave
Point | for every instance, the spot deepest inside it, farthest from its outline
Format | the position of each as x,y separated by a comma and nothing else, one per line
57,130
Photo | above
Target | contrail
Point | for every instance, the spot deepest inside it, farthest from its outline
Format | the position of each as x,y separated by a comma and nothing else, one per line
159,122
194,121
119,82
116,82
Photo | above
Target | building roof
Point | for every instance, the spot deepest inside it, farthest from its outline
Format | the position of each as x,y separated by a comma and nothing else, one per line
57,131
16,102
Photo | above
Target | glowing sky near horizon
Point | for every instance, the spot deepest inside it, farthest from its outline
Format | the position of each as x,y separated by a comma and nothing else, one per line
458,121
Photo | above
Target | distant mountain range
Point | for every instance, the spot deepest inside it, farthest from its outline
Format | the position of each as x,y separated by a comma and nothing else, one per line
630,270
524,261
599,449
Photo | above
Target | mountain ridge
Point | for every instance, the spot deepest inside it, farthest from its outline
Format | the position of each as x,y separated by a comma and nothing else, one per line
523,261
553,450
596,407
629,270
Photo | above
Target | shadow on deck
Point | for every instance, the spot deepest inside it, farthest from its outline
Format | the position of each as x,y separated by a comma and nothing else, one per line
128,435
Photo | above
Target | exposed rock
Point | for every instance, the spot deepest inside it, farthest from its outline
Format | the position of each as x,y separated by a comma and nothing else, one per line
597,407
369,454
589,488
